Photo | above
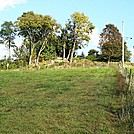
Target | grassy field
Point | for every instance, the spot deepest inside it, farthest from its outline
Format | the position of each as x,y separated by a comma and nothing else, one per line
50,101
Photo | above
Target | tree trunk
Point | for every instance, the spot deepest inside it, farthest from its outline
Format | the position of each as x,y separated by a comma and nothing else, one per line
64,51
108,60
69,54
72,53
37,58
32,46
30,59
9,52
31,54
38,54
9,49
7,66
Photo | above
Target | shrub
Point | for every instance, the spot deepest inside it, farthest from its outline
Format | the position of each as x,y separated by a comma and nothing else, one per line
91,58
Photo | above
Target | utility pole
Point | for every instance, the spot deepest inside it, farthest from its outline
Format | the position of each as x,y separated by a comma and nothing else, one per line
123,43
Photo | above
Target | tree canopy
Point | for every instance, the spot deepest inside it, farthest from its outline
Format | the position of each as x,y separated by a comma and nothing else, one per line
79,29
111,44
43,38
36,29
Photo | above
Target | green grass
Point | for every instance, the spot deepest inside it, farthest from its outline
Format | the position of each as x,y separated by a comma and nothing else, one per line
57,101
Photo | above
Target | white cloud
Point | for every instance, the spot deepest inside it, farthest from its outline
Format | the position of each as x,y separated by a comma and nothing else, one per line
10,3
95,37
3,51
18,41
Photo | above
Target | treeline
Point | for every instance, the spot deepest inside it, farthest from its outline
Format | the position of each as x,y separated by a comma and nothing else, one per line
45,39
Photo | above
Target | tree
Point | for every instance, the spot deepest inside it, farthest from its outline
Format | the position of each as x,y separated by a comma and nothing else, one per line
111,44
79,29
65,42
35,29
7,35
50,28
93,55
93,52
128,54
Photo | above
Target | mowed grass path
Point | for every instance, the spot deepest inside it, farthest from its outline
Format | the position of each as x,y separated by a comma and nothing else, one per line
56,101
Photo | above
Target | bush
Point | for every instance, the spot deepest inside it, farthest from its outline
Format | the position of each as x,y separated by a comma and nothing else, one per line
91,58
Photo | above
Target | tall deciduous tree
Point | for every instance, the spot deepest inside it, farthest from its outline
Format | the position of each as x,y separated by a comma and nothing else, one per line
111,44
35,29
79,29
7,35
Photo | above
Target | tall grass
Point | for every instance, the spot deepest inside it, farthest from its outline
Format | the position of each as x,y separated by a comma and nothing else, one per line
124,108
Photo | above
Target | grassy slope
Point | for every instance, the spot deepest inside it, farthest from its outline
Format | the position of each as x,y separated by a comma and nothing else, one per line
56,101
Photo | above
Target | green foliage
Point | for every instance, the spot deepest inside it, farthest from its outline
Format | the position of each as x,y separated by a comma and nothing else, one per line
92,52
93,55
128,54
49,53
18,63
111,44
79,29
7,31
3,64
21,53
36,29
12,64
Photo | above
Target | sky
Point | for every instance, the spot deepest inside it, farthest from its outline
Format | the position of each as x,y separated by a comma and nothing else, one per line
100,13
